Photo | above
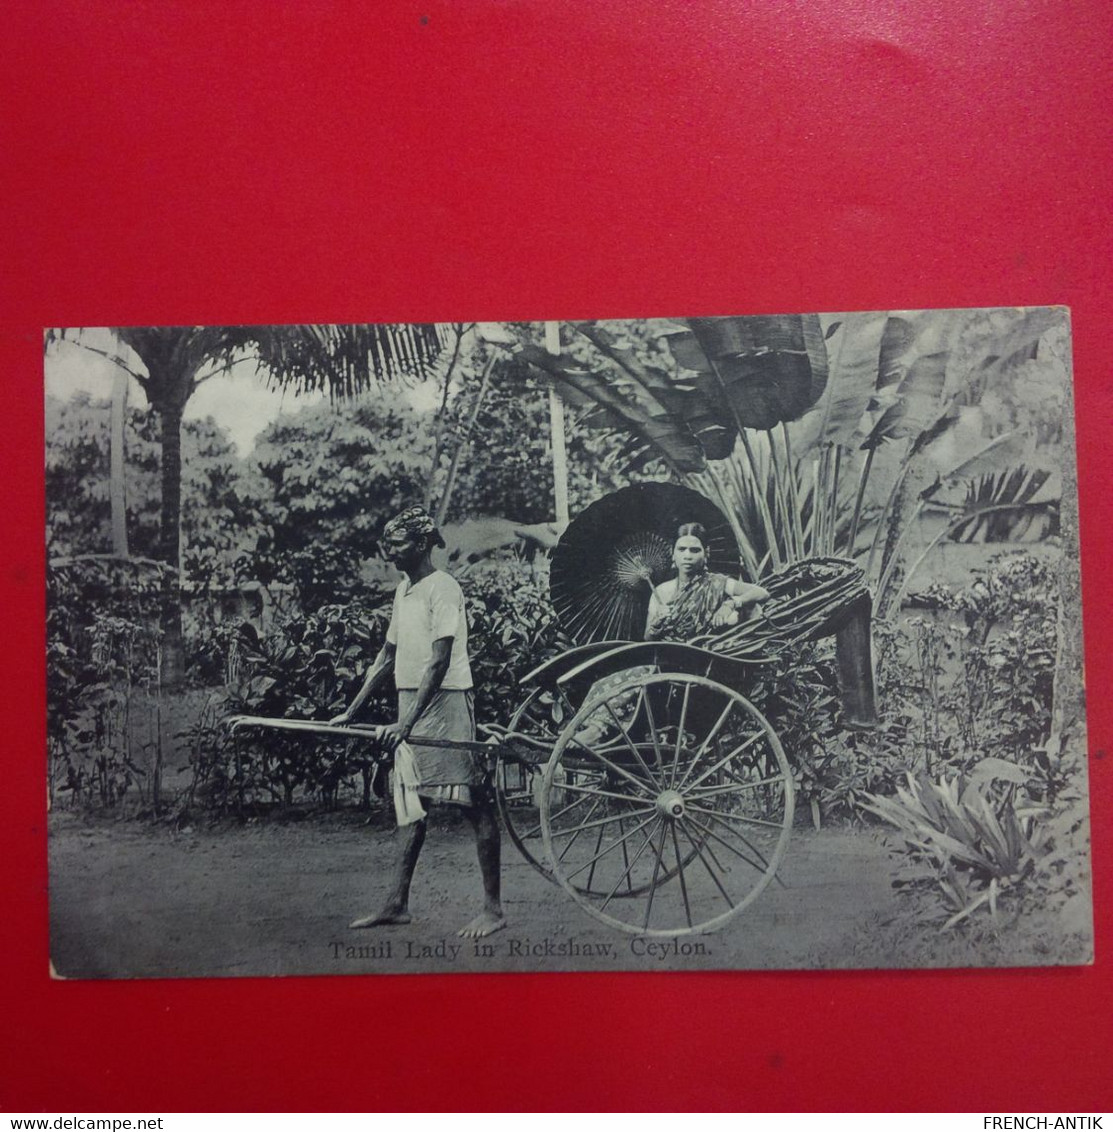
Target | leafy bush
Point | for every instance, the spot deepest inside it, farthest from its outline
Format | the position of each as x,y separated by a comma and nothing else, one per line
834,768
211,648
997,640
326,478
798,694
970,680
218,518
102,665
511,629
305,667
308,668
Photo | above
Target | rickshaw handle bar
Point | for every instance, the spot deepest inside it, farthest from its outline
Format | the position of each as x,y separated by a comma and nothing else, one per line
349,731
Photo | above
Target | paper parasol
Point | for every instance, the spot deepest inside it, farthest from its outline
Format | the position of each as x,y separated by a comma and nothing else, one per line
615,551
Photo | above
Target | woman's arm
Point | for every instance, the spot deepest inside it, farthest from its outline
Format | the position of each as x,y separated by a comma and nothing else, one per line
739,603
746,593
657,610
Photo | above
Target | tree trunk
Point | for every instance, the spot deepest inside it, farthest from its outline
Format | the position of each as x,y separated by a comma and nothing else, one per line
556,427
173,650
116,489
560,459
903,511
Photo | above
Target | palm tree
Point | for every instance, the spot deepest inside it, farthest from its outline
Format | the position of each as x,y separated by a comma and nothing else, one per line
174,360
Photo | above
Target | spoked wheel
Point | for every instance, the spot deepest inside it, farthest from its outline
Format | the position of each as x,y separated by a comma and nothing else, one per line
667,805
520,788
519,784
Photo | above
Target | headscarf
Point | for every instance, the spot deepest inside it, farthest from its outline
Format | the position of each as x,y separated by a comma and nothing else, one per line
416,522
691,612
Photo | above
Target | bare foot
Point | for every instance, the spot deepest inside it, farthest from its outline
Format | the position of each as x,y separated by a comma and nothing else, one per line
384,918
486,923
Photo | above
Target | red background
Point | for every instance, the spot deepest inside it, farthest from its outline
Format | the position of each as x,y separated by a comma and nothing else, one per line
326,161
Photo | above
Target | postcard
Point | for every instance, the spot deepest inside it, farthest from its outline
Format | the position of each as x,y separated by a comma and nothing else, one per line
659,644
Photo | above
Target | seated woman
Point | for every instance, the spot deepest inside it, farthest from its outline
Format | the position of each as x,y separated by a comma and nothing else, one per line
697,601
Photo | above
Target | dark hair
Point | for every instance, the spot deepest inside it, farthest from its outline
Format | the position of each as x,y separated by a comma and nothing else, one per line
696,530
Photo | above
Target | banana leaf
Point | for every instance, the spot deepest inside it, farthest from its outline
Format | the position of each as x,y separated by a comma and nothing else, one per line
853,379
679,397
757,371
1002,451
1003,506
1021,340
897,339
915,411
672,395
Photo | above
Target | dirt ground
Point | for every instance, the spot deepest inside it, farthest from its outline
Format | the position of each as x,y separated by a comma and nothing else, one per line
274,897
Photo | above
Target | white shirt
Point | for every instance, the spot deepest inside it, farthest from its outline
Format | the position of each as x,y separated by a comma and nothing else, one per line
425,612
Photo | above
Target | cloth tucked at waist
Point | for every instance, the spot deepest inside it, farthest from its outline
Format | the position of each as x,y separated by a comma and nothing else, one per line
405,787
437,774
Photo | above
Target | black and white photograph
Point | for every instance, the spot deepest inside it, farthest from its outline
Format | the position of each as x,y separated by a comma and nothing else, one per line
659,644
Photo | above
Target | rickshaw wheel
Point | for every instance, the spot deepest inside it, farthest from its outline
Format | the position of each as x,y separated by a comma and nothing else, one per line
682,797
519,787
518,784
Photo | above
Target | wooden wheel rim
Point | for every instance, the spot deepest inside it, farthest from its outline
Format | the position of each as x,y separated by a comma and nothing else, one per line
523,841
779,773
504,804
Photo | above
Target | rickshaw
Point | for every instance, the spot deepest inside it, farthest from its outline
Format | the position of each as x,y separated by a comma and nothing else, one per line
658,796
636,775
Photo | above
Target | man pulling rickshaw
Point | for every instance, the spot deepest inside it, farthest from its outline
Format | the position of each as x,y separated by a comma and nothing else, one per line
426,651
649,787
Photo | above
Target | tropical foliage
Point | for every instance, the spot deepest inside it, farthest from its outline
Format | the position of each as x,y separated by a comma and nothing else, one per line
992,647
508,466
326,480
102,672
219,520
881,437
971,840
307,668
311,666
328,475
170,363
894,439
787,419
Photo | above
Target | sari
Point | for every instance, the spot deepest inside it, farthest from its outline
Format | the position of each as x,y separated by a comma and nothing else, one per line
693,609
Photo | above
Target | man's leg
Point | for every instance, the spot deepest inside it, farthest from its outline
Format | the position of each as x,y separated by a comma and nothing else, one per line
396,910
487,845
